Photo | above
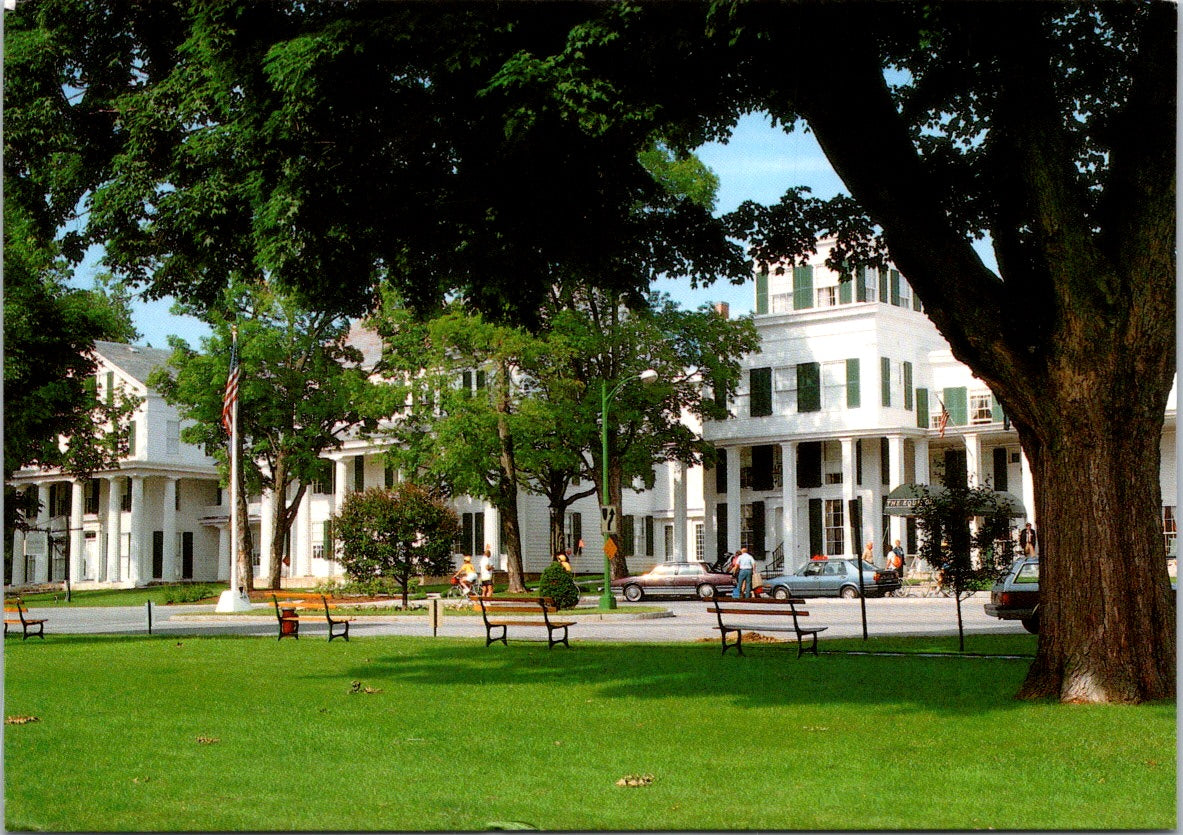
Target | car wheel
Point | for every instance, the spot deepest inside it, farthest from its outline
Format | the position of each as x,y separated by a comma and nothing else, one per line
781,592
633,593
1031,624
849,593
706,591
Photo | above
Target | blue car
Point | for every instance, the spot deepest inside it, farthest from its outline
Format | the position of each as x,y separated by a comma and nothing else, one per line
837,577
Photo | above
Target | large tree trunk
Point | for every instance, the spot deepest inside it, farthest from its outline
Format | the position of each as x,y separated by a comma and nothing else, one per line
244,546
1107,619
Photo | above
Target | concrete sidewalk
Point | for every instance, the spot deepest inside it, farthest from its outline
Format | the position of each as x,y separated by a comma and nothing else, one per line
682,621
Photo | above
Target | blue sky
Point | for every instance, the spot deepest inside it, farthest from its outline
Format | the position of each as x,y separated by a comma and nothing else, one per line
759,163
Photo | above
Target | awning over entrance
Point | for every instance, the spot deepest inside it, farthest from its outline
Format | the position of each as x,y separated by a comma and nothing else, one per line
902,500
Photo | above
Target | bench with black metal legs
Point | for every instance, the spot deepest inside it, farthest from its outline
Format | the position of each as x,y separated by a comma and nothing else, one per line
496,627
16,606
289,620
735,615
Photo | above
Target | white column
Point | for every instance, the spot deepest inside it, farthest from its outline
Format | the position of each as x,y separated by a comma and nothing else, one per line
788,524
76,540
973,460
168,522
854,546
709,500
921,453
733,514
18,557
266,529
340,484
895,477
493,534
302,539
678,471
136,572
41,563
114,526
1029,491
224,553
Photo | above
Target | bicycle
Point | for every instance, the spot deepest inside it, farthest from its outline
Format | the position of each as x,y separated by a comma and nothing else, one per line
461,591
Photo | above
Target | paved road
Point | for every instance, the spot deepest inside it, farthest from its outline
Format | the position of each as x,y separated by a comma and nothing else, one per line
685,621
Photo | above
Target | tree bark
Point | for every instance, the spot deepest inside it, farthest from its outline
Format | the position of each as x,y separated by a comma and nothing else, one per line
243,548
506,498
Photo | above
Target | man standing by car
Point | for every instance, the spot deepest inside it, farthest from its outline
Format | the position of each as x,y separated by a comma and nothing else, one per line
1027,540
745,562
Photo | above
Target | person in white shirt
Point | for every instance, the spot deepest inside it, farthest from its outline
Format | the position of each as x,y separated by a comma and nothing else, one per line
487,572
743,580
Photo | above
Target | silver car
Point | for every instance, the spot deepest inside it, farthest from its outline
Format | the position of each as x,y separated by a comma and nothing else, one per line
833,578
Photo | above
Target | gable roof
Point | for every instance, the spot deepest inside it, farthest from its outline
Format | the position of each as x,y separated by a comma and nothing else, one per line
133,360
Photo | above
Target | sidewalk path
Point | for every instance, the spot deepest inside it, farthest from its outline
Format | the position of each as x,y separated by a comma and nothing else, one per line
686,621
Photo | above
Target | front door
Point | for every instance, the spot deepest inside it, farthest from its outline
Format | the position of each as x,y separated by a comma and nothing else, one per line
187,555
157,554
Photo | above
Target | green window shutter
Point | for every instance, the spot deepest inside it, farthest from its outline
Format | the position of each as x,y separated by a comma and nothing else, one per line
908,386
957,402
480,380
110,393
922,408
858,461
359,473
131,437
884,461
721,472
995,409
895,287
916,305
846,291
852,384
327,543
885,381
466,381
388,476
816,540
629,535
721,528
883,284
860,285
760,399
809,464
648,536
809,387
802,287
762,292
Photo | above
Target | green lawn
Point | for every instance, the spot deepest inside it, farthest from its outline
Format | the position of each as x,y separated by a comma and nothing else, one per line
150,733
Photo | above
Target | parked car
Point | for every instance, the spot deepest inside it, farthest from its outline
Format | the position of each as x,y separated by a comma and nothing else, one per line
1016,596
688,578
833,578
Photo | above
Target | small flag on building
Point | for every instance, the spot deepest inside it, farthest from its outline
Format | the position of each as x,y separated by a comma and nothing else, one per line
943,420
230,395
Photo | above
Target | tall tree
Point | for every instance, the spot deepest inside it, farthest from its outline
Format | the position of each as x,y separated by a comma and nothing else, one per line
302,389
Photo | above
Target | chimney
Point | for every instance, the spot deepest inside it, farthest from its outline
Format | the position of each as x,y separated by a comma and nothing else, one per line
723,309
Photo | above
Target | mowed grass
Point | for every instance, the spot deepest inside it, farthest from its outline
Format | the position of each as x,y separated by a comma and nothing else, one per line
225,733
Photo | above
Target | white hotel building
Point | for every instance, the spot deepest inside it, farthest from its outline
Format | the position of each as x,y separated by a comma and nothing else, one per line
837,408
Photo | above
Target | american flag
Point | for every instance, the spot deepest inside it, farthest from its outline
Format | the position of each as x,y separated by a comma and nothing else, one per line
230,395
943,420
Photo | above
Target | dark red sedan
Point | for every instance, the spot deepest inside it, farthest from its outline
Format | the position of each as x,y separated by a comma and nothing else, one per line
684,579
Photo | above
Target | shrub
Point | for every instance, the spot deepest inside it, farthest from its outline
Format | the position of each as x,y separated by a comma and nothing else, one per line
186,593
558,583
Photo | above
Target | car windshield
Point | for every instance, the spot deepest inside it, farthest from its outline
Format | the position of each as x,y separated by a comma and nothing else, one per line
662,571
869,566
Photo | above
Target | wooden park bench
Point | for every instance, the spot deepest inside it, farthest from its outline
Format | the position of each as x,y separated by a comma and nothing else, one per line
289,621
736,609
14,613
492,609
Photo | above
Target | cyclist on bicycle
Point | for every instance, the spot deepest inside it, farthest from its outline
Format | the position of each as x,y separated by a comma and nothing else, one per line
466,576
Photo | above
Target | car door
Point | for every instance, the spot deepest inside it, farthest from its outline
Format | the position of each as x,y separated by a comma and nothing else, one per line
661,580
833,578
807,582
688,579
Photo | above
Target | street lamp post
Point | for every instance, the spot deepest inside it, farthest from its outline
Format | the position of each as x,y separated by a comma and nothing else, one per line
648,376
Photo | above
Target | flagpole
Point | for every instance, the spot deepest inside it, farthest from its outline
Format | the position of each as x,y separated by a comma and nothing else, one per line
230,600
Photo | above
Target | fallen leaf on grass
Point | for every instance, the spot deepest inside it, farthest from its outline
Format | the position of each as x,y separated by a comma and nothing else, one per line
20,720
635,780
358,687
140,779
208,740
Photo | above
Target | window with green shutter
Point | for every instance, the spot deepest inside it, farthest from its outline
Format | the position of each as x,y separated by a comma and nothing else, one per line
995,409
885,381
853,400
816,536
895,287
762,292
802,287
883,284
957,403
908,386
809,387
922,408
760,383
860,284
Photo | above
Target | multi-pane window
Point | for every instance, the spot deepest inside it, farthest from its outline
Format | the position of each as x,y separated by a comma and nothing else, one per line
700,544
1169,528
809,383
324,482
172,437
832,462
92,496
834,385
834,527
784,383
979,407
669,541
827,296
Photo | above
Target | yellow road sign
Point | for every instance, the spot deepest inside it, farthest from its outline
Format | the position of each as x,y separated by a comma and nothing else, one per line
610,547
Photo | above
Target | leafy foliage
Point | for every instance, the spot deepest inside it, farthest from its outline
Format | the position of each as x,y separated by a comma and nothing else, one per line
395,534
557,582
